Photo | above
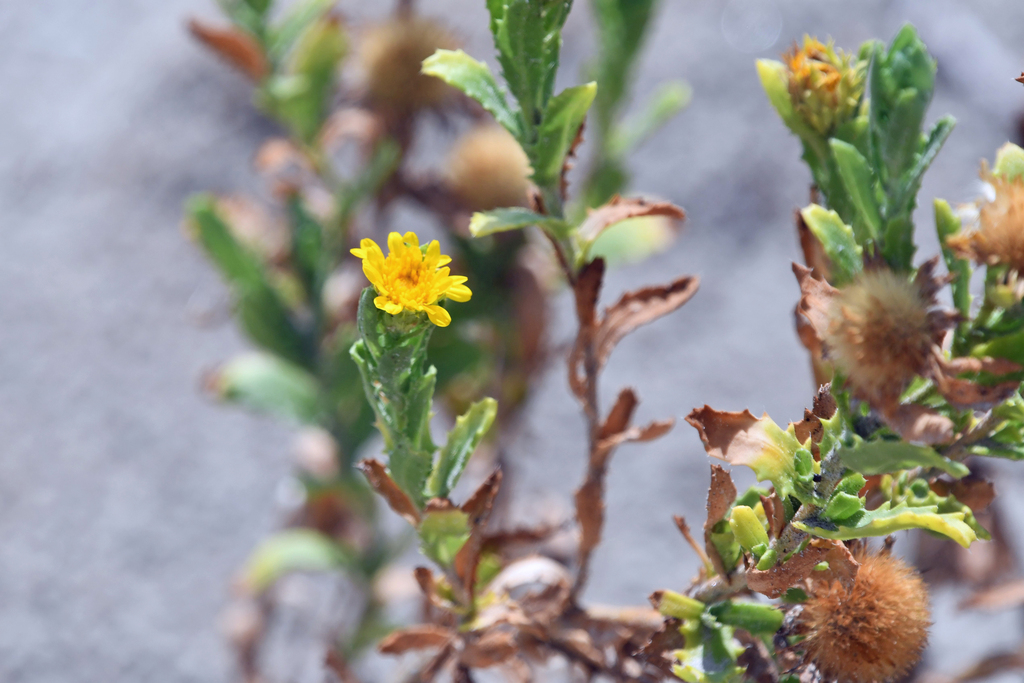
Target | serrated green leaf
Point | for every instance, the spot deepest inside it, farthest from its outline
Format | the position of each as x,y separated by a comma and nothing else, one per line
860,186
268,384
513,218
882,457
293,550
463,439
838,241
474,78
884,521
559,125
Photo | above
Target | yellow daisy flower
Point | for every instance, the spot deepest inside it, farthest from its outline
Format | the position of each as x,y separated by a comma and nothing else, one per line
411,278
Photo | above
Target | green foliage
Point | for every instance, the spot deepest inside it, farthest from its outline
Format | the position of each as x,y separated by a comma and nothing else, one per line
268,384
261,308
293,550
838,240
886,519
463,439
474,78
947,225
514,218
879,457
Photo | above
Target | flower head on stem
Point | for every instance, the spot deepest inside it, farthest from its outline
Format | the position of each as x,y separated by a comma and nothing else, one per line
411,277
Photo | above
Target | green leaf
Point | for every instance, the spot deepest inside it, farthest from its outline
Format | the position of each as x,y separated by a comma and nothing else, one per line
837,239
621,25
775,81
559,126
884,521
678,606
513,218
443,533
860,186
263,314
299,17
293,550
528,38
947,225
633,240
749,616
747,528
271,385
463,439
668,100
1010,346
882,457
474,78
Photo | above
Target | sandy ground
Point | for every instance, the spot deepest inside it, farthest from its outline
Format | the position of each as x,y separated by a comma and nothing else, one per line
127,499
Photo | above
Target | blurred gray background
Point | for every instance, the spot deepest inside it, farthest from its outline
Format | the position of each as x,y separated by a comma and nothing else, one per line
127,499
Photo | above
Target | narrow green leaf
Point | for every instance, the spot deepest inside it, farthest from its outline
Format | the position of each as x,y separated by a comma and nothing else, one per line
463,439
561,122
293,550
946,225
670,99
749,616
882,457
474,78
442,534
860,186
299,17
513,218
678,606
1010,346
884,521
837,239
268,384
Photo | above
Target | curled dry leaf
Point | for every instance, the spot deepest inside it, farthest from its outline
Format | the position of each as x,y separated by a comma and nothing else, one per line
920,424
419,637
587,288
638,308
775,581
620,415
236,47
478,508
383,484
721,495
974,491
490,649
684,529
618,209
775,513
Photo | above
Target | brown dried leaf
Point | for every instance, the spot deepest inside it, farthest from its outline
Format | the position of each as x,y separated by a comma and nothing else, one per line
920,424
815,298
570,160
775,513
586,289
620,415
478,508
721,495
418,637
590,514
383,484
638,308
618,209
974,491
490,649
739,438
1001,597
996,366
814,252
964,394
234,46
657,651
277,154
775,581
335,663
351,124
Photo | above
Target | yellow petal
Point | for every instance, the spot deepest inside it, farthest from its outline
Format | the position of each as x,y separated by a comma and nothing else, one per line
393,308
459,293
381,302
412,240
394,242
438,316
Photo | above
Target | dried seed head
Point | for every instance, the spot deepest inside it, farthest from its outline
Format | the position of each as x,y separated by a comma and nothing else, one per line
392,55
880,333
825,84
873,631
487,169
999,237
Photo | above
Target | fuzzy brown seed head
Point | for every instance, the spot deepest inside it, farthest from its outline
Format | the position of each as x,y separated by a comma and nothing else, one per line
999,237
487,169
392,55
871,632
880,333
